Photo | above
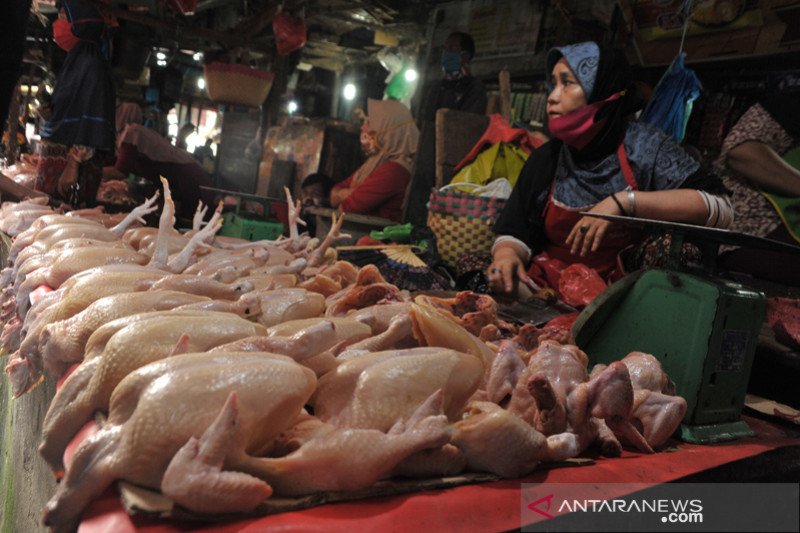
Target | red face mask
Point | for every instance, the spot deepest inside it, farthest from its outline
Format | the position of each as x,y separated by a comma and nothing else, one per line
62,33
578,128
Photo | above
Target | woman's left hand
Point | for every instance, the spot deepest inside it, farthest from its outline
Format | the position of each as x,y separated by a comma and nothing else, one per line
587,235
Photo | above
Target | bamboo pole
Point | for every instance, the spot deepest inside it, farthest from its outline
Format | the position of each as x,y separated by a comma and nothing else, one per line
505,93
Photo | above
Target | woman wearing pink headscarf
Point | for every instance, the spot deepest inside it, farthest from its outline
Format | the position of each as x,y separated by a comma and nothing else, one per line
389,140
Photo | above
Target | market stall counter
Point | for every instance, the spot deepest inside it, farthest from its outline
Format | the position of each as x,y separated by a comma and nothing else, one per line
490,506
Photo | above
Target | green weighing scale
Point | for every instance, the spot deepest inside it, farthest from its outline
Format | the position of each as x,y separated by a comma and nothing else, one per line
702,328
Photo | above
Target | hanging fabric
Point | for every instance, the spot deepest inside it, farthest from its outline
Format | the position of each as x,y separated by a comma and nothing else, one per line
673,98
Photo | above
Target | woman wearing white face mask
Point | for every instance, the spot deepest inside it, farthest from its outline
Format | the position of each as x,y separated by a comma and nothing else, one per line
389,140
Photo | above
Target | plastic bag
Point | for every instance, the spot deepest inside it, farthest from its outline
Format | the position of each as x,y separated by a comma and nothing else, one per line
579,285
562,323
290,33
498,131
671,104
545,270
500,160
499,188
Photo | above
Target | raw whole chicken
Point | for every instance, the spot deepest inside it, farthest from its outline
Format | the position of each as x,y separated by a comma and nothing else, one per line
202,285
370,288
71,262
89,388
62,343
657,411
80,291
557,397
468,309
397,387
376,390
305,344
49,229
279,306
431,328
157,409
486,429
347,331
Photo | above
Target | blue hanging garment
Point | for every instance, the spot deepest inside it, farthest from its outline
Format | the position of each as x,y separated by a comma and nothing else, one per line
672,100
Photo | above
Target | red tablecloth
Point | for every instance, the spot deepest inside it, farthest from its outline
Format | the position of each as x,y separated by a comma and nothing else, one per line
481,507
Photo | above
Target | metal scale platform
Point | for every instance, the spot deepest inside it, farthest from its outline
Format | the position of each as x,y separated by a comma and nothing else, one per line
702,328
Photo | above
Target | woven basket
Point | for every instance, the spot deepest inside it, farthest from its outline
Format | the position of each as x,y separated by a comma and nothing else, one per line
462,222
237,84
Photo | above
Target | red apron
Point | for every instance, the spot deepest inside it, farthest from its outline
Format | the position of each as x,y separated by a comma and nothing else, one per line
559,221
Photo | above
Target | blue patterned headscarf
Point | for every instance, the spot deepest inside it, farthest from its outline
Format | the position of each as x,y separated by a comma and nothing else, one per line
583,59
602,71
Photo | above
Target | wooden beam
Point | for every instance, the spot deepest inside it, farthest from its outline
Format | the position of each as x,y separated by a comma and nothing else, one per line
179,32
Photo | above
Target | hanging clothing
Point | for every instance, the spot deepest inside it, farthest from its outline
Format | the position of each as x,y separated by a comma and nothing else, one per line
673,98
84,96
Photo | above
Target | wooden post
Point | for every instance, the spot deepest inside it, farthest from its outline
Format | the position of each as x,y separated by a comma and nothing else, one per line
505,93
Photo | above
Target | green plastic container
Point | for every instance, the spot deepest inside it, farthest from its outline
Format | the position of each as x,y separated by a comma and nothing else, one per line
252,230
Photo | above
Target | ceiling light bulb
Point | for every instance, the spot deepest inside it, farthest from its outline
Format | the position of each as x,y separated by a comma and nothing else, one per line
291,106
349,91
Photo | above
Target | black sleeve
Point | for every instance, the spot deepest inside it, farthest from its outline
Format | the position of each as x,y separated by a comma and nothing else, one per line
430,103
522,216
475,100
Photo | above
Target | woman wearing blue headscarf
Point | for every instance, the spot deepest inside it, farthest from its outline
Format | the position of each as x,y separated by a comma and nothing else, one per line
78,131
600,161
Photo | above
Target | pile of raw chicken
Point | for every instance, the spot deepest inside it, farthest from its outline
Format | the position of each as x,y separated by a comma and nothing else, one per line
232,371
